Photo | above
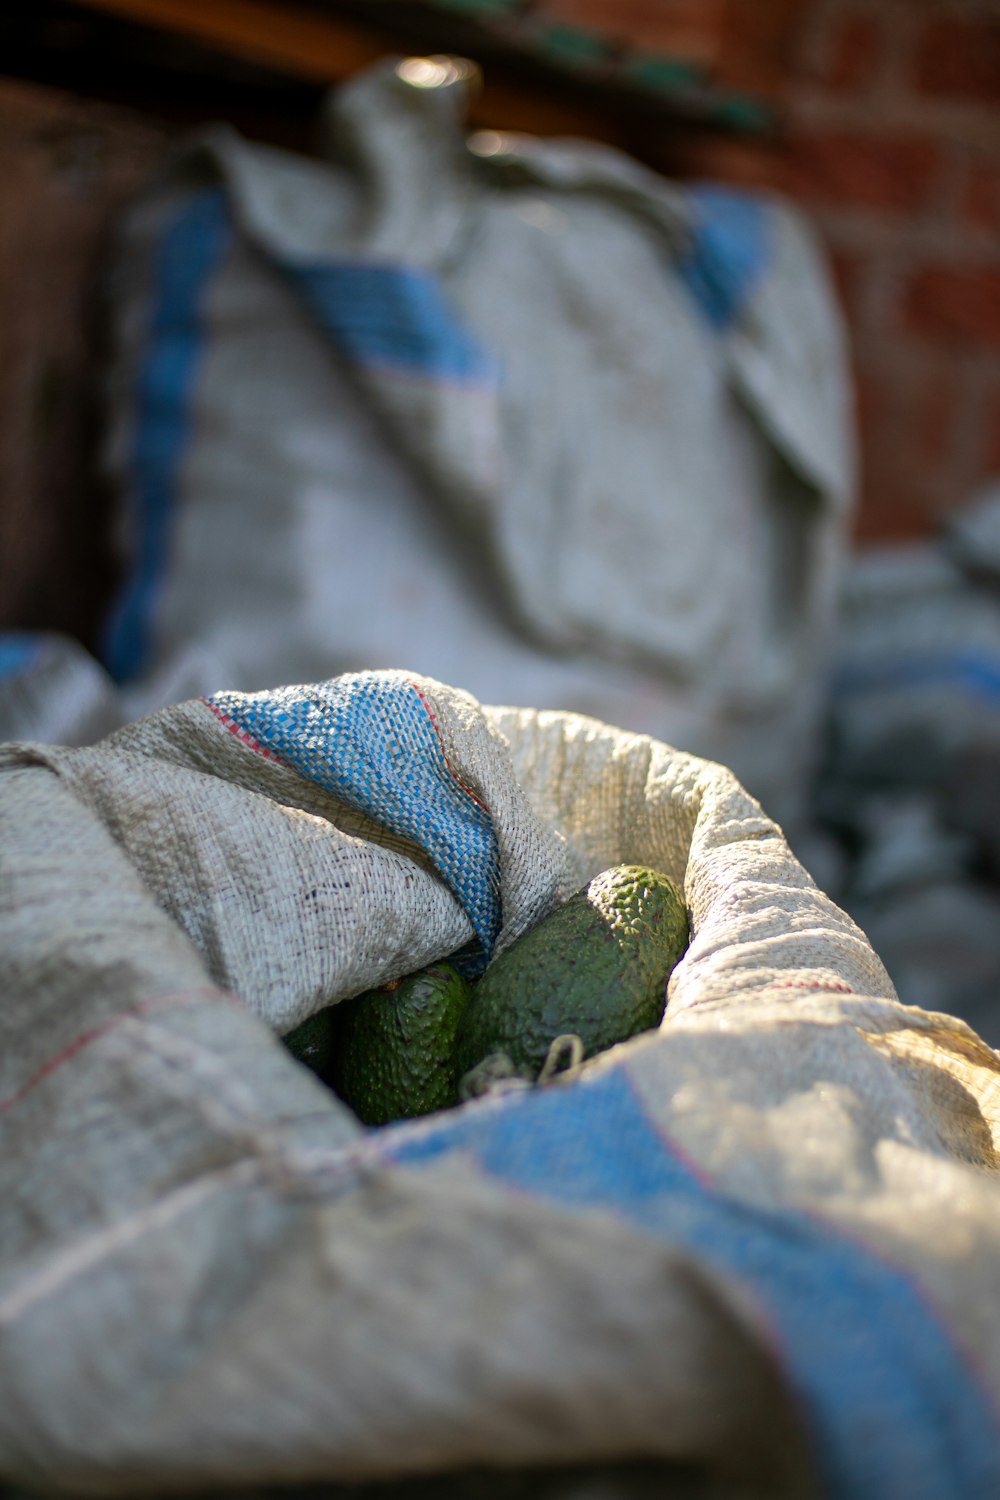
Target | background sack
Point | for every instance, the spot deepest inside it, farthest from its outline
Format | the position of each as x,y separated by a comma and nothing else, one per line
910,774
762,1241
517,413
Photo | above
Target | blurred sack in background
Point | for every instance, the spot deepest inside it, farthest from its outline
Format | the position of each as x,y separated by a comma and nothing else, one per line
516,413
912,761
734,1244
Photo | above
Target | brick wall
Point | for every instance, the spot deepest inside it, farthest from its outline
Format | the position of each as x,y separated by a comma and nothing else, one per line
891,140
894,137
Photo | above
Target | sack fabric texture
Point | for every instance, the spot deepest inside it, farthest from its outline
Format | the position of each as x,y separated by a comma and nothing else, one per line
516,413
762,1241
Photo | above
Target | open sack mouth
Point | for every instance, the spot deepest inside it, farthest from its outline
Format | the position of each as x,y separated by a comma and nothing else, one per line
676,1247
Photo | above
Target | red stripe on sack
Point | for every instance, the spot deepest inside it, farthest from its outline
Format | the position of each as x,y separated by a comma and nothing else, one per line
241,734
811,984
179,997
448,765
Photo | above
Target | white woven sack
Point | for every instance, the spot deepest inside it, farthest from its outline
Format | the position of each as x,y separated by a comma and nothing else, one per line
520,413
762,1241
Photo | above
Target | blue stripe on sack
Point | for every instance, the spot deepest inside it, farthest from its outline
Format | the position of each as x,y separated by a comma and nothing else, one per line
392,317
370,739
969,671
18,651
894,1411
728,252
189,254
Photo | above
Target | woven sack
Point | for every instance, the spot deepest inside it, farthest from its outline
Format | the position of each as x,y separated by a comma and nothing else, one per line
760,1243
517,412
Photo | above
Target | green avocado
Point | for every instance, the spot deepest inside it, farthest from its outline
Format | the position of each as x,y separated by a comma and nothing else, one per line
314,1041
595,967
394,1046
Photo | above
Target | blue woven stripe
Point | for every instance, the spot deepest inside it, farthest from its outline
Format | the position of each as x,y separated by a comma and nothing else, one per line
895,1412
728,252
18,650
389,316
370,740
189,254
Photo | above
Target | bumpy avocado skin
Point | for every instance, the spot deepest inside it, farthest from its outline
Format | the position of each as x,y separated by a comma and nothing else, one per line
313,1042
597,966
394,1046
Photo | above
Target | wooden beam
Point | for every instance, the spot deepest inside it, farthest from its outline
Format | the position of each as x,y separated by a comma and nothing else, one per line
327,49
317,47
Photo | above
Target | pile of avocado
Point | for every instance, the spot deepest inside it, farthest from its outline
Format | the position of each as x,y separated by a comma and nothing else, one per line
592,973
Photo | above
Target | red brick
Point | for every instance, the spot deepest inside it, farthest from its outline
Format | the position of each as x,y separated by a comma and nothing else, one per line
979,207
852,54
876,411
854,169
908,405
955,304
848,272
889,511
759,41
681,28
959,59
931,413
891,508
873,400
991,435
